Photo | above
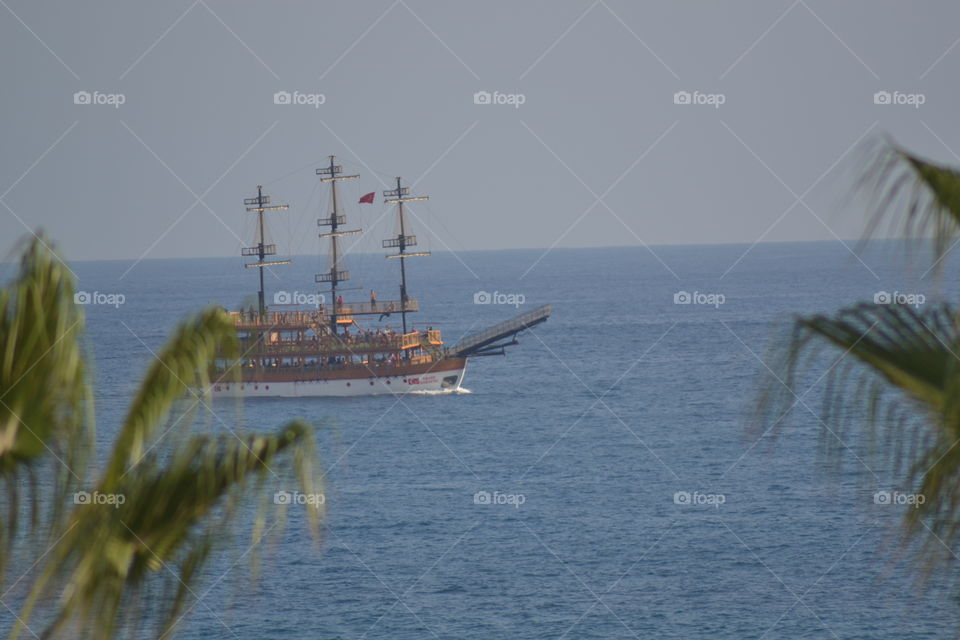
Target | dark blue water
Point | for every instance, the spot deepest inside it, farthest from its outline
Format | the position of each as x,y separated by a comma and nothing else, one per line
621,400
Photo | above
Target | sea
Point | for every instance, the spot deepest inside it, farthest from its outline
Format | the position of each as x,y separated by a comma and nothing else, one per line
604,479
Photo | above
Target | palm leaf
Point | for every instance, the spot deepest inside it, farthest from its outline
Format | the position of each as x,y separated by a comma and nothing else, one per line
173,514
898,384
181,366
912,196
181,493
45,403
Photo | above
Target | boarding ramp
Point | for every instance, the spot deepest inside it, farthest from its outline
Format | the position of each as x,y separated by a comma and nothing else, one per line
490,342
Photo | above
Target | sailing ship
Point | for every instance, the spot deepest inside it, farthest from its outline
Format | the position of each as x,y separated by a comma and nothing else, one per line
325,351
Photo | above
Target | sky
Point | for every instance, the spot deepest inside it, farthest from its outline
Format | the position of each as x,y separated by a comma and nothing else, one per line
134,130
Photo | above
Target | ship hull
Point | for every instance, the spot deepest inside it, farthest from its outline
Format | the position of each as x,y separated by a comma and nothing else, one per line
445,376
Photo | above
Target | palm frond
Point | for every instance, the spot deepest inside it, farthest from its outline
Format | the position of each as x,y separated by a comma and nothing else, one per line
172,514
911,196
180,493
45,404
897,383
182,365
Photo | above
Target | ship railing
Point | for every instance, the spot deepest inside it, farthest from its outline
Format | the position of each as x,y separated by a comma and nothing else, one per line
427,338
381,307
284,347
322,314
227,373
280,319
277,319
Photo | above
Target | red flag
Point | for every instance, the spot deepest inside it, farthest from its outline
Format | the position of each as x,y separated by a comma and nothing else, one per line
368,198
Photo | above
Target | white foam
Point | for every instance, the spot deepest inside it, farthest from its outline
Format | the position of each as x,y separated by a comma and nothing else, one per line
438,392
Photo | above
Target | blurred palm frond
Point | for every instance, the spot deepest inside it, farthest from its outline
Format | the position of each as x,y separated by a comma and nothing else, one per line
169,498
911,196
45,406
894,379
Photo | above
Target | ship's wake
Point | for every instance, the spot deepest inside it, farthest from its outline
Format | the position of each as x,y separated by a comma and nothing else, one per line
439,392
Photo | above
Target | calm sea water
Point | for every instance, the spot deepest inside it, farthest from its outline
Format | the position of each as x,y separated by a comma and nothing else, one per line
584,434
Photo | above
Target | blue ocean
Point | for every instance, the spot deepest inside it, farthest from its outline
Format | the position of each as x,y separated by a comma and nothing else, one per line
599,481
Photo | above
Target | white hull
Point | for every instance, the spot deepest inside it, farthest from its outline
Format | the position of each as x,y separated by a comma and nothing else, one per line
432,382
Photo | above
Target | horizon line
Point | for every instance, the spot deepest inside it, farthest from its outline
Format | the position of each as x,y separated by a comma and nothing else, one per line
857,241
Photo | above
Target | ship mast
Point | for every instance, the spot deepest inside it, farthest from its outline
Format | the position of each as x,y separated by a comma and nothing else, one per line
335,276
258,205
401,241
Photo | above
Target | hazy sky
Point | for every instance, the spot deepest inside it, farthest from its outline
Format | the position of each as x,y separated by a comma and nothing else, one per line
598,153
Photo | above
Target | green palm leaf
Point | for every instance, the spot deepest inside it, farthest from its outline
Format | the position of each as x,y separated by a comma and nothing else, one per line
180,367
173,513
181,493
895,375
45,406
897,383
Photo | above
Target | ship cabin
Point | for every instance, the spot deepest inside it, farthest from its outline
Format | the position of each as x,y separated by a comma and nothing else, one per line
301,342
